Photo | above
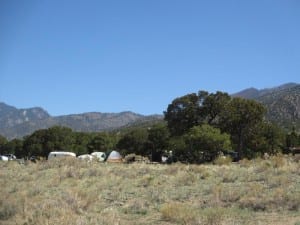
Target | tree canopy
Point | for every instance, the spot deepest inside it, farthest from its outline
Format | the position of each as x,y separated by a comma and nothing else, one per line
197,127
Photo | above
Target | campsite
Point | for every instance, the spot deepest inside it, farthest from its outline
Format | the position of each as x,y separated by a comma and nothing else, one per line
71,191
149,112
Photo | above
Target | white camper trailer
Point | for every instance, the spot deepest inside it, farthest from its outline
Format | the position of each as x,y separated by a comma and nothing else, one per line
53,155
3,158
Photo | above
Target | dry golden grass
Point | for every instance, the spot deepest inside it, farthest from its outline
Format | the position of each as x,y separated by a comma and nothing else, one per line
78,192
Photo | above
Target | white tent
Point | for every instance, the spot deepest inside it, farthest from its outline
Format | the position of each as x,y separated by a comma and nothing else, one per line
114,156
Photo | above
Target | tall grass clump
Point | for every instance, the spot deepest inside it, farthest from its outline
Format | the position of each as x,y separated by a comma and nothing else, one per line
223,160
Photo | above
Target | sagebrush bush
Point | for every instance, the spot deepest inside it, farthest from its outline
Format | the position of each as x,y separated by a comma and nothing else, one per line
223,160
179,213
8,209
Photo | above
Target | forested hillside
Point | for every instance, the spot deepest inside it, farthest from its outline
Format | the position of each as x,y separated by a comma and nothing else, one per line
282,103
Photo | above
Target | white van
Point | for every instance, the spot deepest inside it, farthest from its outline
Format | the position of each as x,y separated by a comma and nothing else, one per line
10,156
53,155
101,156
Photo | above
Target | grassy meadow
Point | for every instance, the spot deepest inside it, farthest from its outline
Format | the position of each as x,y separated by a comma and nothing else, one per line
75,192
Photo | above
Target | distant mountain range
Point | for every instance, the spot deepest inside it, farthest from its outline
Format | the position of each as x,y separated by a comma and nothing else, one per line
16,123
282,103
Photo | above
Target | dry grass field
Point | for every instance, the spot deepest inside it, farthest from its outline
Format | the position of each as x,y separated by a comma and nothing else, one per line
75,192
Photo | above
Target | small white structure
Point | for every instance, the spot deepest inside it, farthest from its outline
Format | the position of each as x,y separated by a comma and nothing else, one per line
53,155
101,156
10,156
86,157
114,156
3,158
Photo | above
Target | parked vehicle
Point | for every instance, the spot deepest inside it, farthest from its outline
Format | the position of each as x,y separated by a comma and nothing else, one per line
60,154
3,158
10,156
234,155
33,159
100,156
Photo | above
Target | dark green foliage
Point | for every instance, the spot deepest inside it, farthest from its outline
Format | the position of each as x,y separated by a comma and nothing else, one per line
204,143
240,118
134,141
178,145
182,114
264,137
158,141
212,107
192,110
42,142
235,116
101,142
200,144
292,139
81,142
3,142
15,147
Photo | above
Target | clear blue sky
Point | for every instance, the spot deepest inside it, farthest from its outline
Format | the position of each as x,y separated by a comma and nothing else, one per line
74,56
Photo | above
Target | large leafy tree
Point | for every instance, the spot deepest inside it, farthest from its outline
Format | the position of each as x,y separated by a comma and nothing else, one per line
182,114
240,118
204,142
191,110
264,137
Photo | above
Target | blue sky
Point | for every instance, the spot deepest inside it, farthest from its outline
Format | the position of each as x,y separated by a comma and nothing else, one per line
74,56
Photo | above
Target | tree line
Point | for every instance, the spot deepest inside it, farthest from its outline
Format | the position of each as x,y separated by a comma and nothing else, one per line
196,128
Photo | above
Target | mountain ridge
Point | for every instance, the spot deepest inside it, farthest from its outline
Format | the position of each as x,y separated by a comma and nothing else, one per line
16,123
254,93
282,103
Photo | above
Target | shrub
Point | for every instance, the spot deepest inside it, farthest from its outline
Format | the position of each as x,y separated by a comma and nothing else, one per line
7,209
213,216
136,207
223,160
278,161
179,213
